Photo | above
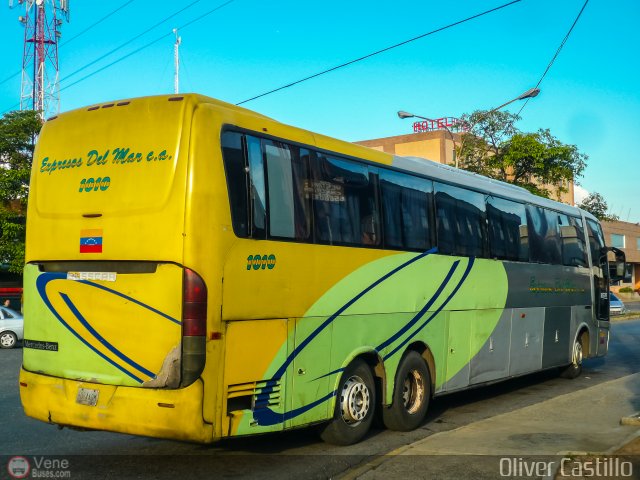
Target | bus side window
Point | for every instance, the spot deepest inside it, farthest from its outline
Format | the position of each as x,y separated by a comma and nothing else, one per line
405,204
256,188
544,239
237,181
289,209
573,248
600,270
344,202
461,220
507,221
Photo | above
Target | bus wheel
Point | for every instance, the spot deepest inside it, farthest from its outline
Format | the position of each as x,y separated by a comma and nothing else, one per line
575,369
355,402
411,393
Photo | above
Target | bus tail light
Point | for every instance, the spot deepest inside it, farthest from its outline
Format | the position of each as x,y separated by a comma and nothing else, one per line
194,326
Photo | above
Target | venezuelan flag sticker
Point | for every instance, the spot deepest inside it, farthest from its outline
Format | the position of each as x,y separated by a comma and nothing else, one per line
91,240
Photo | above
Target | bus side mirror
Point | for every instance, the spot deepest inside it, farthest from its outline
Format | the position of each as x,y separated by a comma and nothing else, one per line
617,268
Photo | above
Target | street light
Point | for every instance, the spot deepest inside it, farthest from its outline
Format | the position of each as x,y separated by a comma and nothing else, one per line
532,92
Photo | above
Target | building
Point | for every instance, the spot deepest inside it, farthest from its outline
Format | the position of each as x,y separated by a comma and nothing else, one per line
438,146
626,237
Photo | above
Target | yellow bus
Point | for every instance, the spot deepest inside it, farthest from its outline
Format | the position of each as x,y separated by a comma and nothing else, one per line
195,271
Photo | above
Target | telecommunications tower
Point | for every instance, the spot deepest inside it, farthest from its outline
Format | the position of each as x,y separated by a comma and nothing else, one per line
40,90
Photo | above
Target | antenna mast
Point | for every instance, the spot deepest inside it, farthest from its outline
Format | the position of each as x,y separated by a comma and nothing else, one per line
176,62
40,90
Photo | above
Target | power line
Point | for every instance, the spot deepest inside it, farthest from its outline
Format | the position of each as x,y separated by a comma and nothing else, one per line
200,17
564,40
153,27
96,23
351,62
147,45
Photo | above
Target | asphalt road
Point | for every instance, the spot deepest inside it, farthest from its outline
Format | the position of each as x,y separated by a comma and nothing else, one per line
293,454
633,306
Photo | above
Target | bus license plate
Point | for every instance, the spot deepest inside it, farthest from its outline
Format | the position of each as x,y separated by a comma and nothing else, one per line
87,396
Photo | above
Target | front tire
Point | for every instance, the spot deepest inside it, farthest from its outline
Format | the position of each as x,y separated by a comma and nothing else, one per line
575,369
411,394
355,402
8,340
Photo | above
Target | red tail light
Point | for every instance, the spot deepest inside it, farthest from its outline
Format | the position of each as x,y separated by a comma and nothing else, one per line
194,308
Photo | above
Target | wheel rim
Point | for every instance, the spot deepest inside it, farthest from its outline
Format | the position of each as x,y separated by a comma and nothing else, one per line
355,401
6,340
577,354
413,392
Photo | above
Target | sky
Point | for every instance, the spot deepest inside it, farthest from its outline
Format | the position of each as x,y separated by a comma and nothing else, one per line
589,97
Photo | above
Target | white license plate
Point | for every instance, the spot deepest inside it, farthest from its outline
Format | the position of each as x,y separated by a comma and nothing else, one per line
87,396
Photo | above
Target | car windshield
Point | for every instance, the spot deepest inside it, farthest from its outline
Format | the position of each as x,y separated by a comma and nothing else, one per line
613,297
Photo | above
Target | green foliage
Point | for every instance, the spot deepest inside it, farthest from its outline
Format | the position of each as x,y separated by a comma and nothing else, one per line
597,206
18,131
494,147
626,290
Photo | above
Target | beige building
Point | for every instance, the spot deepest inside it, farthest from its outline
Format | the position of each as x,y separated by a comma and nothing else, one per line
626,237
437,146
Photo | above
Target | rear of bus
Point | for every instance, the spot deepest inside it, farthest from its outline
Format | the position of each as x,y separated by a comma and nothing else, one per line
115,311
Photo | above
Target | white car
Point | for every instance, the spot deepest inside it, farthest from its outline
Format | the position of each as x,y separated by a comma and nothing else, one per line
616,306
11,327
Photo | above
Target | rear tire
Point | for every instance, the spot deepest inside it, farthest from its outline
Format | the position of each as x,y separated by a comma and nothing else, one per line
355,402
411,394
575,368
8,340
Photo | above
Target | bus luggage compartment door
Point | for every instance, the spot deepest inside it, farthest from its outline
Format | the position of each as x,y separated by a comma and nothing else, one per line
526,340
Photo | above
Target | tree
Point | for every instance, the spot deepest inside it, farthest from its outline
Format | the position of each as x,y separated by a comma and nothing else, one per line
494,147
597,206
18,131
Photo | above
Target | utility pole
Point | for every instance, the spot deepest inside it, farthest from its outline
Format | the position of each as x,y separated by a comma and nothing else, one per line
40,88
176,62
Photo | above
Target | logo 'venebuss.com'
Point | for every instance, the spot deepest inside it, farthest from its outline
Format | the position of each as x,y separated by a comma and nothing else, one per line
18,467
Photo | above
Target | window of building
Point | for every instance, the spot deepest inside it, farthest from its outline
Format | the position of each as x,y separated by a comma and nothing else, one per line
405,204
617,240
638,243
508,237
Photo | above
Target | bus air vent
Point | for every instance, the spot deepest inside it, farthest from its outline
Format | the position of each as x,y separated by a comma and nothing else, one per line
253,395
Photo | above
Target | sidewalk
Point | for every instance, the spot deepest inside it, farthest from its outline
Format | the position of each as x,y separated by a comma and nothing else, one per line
583,422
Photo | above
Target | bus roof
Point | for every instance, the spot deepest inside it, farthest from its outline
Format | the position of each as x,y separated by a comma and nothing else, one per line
490,186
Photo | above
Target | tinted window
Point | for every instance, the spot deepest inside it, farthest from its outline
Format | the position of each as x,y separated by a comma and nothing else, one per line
507,223
601,272
234,166
461,221
289,209
257,195
573,242
596,241
544,239
344,202
405,203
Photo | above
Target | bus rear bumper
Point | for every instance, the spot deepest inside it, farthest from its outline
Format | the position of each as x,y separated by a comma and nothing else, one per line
175,414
